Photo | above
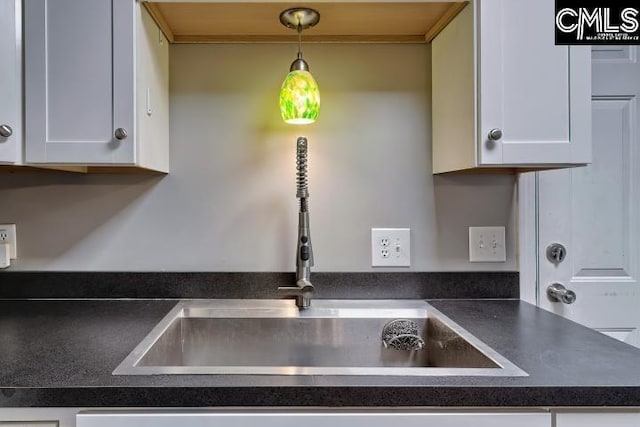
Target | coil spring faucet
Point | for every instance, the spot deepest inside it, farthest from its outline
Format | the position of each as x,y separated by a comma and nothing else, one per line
304,254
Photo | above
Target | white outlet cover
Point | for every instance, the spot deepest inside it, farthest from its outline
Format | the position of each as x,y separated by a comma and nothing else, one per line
10,231
391,247
487,244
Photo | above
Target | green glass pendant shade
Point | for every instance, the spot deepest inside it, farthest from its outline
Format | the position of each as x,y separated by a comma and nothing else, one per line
299,98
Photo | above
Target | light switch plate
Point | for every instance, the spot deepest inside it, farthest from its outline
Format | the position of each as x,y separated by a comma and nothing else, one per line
487,244
390,247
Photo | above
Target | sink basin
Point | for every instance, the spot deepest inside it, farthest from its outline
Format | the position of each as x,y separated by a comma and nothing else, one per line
333,337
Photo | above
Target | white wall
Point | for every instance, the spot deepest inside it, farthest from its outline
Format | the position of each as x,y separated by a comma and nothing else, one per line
229,203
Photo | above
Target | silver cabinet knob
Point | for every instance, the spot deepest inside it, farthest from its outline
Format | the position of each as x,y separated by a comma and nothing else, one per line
120,133
6,131
495,134
558,293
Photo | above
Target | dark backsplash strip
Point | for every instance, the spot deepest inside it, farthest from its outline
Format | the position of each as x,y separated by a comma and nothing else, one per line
22,285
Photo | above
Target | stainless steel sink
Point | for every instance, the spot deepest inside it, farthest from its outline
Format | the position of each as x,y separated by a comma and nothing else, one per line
333,337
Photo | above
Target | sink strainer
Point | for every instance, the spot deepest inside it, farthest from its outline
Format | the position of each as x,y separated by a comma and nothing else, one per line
402,334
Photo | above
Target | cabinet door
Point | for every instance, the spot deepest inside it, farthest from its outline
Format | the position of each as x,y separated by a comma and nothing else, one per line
371,418
10,81
537,93
79,71
29,424
629,419
38,417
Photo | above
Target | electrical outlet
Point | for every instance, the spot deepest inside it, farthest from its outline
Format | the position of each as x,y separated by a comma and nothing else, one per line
8,235
487,244
390,247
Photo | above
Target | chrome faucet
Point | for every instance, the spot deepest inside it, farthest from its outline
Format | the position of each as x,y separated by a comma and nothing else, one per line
303,288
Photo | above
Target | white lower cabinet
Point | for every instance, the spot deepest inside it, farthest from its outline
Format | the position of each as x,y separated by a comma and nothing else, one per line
360,418
630,418
158,417
38,417
29,424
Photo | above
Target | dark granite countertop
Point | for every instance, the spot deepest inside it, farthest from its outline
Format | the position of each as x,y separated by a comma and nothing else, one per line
62,353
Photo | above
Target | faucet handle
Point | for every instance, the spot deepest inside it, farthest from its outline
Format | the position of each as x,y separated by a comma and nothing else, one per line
302,287
302,291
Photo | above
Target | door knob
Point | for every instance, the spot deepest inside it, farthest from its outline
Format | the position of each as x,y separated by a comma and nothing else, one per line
6,131
495,134
120,133
558,293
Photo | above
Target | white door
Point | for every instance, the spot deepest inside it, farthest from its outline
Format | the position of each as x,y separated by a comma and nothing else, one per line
594,211
79,87
535,92
10,81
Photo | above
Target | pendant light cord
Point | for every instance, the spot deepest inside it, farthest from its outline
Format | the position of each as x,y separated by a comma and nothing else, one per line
299,41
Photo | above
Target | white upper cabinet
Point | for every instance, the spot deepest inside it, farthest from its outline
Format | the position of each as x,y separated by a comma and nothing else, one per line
504,95
96,85
10,82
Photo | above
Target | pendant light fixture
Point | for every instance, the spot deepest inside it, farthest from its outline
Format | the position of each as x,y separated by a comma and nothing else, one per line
299,95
